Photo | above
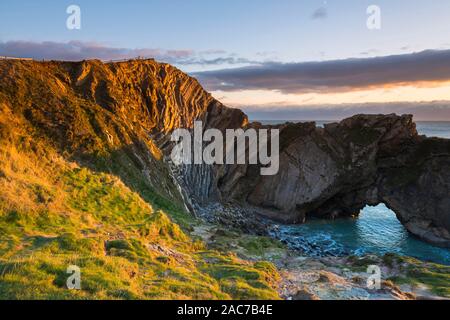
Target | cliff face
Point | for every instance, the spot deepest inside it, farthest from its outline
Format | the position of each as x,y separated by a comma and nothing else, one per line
117,118
337,170
111,116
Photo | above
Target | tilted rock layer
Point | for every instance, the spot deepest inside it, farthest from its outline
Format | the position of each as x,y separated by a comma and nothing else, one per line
337,170
119,116
110,115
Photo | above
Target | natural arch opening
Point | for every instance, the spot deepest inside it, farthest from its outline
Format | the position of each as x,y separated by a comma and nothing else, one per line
378,227
376,230
379,230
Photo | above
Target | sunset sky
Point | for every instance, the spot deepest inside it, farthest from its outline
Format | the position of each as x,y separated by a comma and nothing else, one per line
275,59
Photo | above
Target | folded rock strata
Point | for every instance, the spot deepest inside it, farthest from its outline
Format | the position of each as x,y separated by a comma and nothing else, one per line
337,170
118,117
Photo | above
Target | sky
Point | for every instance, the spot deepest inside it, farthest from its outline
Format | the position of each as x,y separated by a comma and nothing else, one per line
272,58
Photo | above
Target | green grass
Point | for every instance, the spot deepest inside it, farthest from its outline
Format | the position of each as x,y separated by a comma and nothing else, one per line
241,281
408,271
415,272
124,247
123,164
259,246
82,183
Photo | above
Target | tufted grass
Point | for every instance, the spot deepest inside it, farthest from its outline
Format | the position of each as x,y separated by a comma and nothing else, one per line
54,214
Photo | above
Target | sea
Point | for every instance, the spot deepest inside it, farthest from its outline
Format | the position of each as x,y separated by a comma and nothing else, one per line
376,231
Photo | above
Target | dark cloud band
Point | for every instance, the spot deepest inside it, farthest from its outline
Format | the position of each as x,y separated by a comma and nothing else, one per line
422,111
333,76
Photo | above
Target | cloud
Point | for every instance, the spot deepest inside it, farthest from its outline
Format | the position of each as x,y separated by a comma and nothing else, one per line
213,51
216,61
79,50
320,13
369,52
334,75
422,111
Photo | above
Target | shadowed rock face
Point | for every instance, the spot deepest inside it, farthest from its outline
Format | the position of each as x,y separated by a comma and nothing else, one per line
336,171
121,114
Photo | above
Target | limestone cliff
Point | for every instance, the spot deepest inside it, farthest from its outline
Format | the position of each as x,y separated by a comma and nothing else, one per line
110,115
337,170
117,117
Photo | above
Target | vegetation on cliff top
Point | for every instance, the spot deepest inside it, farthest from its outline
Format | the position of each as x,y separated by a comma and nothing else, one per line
125,238
125,248
417,273
83,183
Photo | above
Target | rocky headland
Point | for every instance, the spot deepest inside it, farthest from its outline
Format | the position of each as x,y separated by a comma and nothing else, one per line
116,119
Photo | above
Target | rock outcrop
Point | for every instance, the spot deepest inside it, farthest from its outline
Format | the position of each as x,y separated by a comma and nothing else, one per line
118,117
337,170
111,116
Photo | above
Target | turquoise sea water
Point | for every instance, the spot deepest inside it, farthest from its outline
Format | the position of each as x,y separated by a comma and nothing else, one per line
377,230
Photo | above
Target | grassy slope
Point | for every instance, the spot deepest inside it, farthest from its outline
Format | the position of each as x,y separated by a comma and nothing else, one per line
416,273
408,271
128,239
54,214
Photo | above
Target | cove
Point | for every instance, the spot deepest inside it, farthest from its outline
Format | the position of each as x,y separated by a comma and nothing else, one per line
376,231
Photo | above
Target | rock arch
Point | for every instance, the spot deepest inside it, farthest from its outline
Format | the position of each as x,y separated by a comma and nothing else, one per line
337,170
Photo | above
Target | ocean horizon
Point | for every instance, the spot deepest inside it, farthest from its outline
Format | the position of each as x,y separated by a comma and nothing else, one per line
438,129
